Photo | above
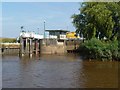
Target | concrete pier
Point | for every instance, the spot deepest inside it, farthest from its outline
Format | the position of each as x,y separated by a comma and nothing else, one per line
48,46
30,43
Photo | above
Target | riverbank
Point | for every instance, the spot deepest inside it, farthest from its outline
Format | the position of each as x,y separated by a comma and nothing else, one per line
90,49
100,50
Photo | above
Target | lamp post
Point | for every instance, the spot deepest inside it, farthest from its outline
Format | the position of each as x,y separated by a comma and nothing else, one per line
22,28
38,31
44,29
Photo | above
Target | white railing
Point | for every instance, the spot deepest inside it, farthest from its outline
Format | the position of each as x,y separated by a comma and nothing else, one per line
62,36
31,35
53,36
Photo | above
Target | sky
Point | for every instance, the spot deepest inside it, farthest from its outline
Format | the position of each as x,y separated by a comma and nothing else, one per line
31,15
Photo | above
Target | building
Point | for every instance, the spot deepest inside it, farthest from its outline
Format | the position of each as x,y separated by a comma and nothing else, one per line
57,34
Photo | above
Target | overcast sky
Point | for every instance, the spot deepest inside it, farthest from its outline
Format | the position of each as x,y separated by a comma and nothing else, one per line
57,15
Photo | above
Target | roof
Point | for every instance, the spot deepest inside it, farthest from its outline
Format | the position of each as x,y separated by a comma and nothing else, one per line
57,30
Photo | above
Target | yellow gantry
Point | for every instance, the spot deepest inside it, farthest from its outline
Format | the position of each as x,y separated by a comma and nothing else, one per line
71,35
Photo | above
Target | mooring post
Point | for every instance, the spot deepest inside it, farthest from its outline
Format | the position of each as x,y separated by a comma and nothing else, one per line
39,45
26,46
21,46
36,46
30,47
75,44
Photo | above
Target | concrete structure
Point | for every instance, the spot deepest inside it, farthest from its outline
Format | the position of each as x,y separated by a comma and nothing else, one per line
30,42
57,34
31,35
50,46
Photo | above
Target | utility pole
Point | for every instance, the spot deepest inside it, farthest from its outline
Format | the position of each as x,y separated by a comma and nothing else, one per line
38,31
44,29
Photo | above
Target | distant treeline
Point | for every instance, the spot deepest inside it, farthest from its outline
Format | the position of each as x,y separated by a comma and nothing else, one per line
10,40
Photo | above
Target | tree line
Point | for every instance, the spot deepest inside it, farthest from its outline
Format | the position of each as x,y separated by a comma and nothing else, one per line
99,24
98,19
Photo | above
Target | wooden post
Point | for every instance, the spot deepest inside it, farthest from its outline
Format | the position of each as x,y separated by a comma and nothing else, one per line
26,46
36,46
39,45
21,47
30,47
75,44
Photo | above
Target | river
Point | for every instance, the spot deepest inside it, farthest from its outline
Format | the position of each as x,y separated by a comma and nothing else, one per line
58,71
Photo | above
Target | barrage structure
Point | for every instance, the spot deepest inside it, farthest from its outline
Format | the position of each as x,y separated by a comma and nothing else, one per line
30,42
57,43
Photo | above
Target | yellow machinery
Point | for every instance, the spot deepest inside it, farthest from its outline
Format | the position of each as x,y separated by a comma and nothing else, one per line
71,35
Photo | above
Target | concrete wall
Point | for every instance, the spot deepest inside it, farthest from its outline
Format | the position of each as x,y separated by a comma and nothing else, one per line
9,51
53,49
48,47
59,47
9,48
72,44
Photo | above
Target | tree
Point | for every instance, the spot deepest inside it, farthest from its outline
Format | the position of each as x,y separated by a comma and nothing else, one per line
98,19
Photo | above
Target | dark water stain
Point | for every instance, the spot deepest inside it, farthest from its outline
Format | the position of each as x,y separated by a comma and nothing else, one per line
58,71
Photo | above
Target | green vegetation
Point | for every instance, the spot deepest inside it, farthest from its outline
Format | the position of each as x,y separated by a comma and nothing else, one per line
97,49
99,24
98,19
9,40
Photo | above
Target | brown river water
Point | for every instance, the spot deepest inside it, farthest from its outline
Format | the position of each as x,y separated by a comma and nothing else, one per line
58,71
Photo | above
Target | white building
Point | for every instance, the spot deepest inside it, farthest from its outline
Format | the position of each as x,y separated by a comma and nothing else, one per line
57,34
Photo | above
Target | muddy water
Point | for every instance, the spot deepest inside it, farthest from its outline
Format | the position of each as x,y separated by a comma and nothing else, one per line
56,71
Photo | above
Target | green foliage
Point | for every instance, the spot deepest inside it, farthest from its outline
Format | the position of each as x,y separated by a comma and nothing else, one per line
96,49
98,19
113,47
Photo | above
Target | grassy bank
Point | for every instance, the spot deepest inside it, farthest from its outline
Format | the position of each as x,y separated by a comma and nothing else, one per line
8,43
101,50
10,40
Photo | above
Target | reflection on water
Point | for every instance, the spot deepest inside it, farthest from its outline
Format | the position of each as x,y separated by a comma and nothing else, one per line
55,71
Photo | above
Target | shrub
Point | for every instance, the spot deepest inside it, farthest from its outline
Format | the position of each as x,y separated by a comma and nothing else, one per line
97,49
113,47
